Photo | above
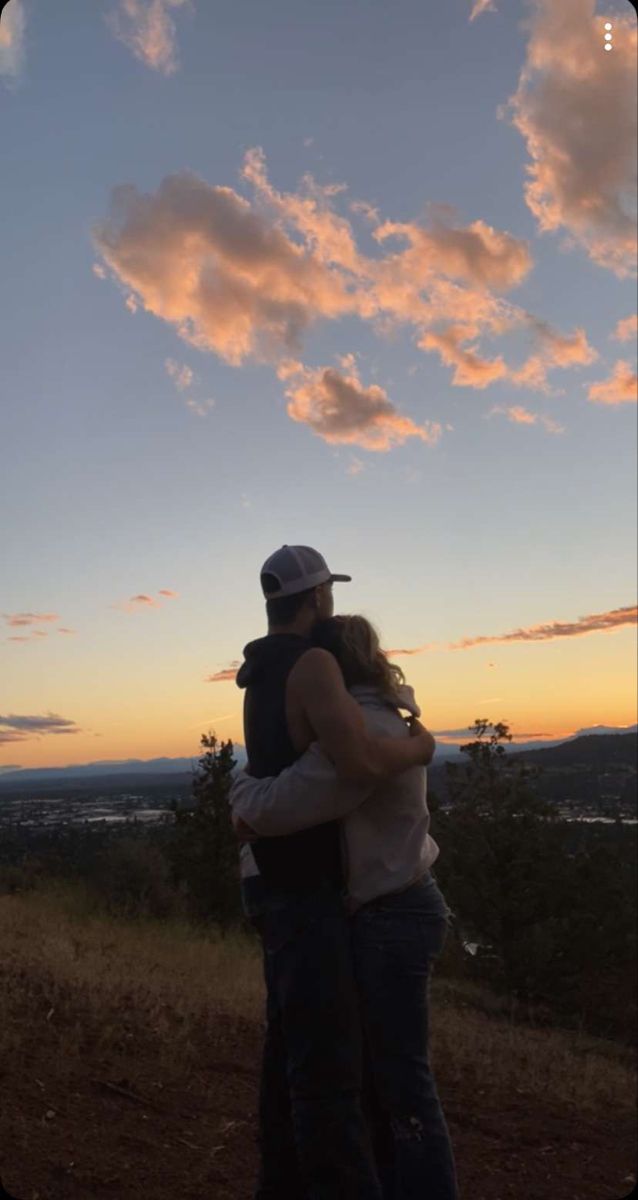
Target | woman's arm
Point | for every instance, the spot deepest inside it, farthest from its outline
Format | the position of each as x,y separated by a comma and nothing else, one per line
305,794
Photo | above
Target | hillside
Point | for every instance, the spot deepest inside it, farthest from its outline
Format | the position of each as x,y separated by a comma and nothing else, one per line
601,751
590,773
130,1053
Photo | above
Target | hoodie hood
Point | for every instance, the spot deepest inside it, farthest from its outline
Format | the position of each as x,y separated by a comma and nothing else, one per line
263,655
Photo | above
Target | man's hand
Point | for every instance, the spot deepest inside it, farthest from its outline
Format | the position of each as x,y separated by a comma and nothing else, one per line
429,744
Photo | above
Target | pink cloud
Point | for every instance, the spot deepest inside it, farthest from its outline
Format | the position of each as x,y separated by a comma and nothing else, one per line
575,106
470,369
338,408
182,376
228,279
248,280
595,623
522,416
605,622
480,7
12,39
146,28
475,254
29,726
620,388
224,676
143,602
626,329
27,618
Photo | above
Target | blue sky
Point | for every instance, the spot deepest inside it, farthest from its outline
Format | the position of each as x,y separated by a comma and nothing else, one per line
211,370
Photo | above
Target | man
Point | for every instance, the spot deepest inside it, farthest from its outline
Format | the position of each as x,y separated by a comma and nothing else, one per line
313,1138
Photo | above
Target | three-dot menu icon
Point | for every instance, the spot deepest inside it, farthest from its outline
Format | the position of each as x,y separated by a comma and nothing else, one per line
608,35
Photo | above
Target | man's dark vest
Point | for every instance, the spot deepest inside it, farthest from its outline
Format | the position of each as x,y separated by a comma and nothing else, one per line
297,860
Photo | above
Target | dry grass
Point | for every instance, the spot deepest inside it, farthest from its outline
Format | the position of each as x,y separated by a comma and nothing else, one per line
91,985
586,1073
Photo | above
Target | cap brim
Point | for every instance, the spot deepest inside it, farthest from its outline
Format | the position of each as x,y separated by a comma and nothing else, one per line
341,578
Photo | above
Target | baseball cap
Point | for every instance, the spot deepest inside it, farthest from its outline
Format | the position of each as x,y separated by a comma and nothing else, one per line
297,568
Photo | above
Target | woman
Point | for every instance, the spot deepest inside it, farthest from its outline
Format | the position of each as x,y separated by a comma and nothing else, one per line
399,917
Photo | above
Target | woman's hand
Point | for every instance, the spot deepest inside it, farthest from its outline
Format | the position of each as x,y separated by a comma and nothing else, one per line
243,832
429,744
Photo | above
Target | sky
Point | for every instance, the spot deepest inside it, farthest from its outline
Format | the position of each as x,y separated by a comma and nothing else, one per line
357,275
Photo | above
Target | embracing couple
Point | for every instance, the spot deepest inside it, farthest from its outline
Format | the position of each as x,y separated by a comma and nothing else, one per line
335,873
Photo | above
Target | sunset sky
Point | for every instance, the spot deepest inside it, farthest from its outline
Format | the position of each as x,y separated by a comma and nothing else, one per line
356,274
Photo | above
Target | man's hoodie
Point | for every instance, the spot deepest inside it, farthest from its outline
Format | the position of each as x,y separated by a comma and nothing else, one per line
301,859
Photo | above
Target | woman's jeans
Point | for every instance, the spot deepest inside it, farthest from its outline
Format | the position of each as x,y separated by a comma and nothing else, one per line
314,1140
394,941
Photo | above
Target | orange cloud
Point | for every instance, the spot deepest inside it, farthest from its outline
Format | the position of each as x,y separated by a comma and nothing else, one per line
248,280
139,603
143,602
626,329
413,650
519,415
481,6
201,407
575,106
561,351
182,376
620,388
338,408
146,28
476,254
228,673
328,236
26,726
522,416
29,618
228,279
12,28
471,369
365,210
595,623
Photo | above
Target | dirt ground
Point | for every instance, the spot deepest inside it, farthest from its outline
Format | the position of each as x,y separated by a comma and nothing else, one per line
119,1129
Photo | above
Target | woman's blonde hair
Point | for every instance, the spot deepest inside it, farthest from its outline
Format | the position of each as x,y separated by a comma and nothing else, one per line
354,642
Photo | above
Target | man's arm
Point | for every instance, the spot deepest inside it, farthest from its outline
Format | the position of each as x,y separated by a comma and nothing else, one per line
317,685
305,794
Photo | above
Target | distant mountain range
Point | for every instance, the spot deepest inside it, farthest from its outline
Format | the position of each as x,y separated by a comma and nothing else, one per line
452,749
110,767
180,766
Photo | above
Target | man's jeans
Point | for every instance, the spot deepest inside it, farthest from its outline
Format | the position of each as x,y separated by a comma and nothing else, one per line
314,1141
394,940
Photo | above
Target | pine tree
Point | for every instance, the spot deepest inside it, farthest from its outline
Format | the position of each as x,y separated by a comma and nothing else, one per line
203,849
502,865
